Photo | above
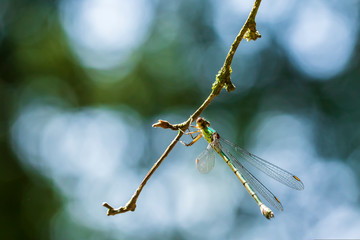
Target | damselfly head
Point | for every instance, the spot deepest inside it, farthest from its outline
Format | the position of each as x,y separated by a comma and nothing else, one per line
202,123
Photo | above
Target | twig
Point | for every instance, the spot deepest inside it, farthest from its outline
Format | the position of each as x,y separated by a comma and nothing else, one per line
223,80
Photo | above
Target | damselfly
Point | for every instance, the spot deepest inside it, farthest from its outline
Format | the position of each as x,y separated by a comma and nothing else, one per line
236,158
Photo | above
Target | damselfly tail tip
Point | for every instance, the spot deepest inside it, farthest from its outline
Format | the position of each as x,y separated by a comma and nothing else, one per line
266,211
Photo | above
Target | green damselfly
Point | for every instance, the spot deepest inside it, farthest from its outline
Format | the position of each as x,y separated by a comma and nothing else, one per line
236,158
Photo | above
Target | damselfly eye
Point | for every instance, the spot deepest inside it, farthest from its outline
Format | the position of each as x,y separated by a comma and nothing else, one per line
201,122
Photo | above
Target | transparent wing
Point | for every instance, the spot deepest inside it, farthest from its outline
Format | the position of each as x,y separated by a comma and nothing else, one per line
253,181
266,167
206,160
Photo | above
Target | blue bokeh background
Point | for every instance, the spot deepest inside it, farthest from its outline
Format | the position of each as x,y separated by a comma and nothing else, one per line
81,83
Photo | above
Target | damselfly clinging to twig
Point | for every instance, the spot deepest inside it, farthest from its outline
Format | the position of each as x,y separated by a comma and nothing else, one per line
235,157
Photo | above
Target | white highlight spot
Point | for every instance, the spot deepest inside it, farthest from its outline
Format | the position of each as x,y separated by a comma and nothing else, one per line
103,32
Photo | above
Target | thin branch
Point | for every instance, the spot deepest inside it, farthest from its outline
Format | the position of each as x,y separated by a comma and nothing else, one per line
223,80
131,205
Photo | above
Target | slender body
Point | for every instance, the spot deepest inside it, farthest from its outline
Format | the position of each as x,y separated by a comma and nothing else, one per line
231,154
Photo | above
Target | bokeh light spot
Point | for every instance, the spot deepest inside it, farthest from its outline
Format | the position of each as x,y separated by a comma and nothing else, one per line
104,32
320,40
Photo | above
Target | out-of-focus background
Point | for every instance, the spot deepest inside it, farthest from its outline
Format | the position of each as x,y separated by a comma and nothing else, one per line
81,83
